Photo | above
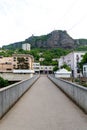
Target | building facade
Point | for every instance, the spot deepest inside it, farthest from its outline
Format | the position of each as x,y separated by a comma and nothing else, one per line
46,69
85,70
72,60
42,69
17,62
36,67
26,46
23,61
6,64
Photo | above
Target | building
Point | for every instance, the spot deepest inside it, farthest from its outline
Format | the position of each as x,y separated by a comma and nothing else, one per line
17,63
23,63
6,64
42,69
41,59
56,59
26,46
63,73
85,70
72,60
36,67
46,69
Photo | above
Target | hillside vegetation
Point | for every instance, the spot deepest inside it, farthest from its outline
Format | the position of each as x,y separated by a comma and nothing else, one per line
47,54
55,39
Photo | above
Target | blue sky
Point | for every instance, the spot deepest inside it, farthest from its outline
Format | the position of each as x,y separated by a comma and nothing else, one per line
19,19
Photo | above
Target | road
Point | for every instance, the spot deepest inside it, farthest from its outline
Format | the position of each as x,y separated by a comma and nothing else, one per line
44,107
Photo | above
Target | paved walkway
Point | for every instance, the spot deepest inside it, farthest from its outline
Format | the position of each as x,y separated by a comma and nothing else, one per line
44,107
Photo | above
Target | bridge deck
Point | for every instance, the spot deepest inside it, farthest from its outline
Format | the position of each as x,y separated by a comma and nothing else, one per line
44,107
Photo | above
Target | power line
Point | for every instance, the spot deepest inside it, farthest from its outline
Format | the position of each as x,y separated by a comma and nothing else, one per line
70,8
78,22
68,11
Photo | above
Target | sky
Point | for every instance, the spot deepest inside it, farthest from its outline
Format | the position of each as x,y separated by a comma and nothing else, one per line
19,19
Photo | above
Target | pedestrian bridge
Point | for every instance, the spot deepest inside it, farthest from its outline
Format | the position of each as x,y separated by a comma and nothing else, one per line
44,107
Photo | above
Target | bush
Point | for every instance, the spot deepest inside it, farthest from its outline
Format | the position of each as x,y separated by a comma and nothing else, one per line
3,83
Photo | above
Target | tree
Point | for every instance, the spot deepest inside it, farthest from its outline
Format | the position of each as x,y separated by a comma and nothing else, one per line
55,68
3,82
83,61
66,67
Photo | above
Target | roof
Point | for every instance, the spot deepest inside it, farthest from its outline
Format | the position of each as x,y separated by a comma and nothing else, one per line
63,71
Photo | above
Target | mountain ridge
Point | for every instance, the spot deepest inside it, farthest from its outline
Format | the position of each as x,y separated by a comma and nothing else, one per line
54,39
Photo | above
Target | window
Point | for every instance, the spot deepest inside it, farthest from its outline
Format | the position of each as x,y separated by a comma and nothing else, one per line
78,71
84,68
8,63
81,55
14,66
14,58
26,58
8,69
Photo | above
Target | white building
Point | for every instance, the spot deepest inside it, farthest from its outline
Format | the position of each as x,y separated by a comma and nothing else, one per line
26,46
46,69
63,73
43,69
36,67
72,60
41,59
85,70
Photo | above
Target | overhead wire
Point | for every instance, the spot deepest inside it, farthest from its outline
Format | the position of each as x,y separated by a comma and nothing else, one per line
70,8
78,22
68,12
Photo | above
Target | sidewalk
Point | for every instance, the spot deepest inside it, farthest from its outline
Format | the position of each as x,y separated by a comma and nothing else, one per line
44,107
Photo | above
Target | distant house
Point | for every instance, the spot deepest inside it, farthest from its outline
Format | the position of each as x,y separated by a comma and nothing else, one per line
63,73
41,59
55,59
26,46
46,69
43,69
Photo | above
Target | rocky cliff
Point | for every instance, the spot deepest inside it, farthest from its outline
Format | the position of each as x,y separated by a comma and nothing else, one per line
55,39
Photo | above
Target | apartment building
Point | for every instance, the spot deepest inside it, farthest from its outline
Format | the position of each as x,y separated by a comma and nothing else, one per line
6,64
72,60
23,62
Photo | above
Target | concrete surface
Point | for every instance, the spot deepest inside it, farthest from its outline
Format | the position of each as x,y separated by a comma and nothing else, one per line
76,92
10,94
14,76
44,107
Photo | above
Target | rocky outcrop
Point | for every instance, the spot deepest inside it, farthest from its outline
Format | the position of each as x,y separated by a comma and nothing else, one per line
54,39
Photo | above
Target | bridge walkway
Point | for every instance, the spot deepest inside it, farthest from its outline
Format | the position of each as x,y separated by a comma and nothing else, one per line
44,107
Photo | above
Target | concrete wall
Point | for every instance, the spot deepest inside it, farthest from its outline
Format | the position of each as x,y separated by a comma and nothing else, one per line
15,77
76,92
10,94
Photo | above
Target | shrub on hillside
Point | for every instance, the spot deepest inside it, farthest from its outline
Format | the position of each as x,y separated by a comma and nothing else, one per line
3,83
